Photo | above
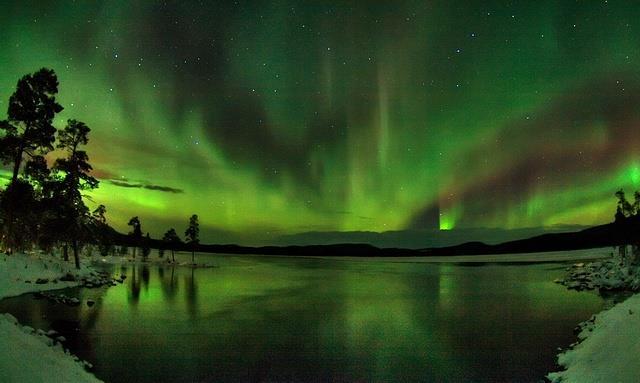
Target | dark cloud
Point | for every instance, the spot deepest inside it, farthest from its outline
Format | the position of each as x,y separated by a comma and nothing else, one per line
125,184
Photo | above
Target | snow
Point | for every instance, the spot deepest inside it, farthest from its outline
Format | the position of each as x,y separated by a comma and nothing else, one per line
28,355
17,269
609,350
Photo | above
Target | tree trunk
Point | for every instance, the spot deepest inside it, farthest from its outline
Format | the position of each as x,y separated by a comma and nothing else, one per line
17,161
134,252
65,252
76,256
173,255
193,254
9,224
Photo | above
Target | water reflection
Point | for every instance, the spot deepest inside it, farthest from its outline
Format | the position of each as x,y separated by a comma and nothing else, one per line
281,319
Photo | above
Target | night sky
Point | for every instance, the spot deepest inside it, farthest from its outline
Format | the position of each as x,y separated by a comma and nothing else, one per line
276,117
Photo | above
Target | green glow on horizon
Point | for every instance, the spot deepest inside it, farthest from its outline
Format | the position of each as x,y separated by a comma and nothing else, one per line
348,119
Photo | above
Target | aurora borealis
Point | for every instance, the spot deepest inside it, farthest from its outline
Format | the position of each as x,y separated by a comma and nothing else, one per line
277,117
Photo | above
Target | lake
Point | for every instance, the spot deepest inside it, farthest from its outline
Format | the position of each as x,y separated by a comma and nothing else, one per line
258,318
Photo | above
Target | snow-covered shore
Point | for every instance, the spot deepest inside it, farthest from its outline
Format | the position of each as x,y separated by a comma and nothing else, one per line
20,272
28,355
608,347
609,350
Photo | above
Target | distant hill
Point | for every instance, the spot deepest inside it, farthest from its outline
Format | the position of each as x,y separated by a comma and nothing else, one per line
417,239
611,234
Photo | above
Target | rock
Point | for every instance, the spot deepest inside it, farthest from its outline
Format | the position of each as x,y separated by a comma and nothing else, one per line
61,339
27,281
73,301
28,329
52,333
90,302
42,281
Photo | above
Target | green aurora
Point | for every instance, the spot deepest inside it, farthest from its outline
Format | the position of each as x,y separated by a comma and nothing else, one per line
276,117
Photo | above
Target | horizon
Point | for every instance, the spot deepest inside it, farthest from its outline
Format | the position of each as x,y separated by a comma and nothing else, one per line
277,121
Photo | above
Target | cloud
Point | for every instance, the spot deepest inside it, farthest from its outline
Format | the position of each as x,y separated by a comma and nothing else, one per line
165,189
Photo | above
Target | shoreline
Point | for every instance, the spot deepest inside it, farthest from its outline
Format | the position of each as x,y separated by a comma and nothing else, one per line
27,354
607,347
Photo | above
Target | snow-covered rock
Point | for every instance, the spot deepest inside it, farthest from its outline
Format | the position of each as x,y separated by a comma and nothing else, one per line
610,274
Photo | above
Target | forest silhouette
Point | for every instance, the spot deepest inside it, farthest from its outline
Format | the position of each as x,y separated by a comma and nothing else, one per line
43,204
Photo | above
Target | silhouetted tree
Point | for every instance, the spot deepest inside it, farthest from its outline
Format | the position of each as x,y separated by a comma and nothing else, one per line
28,131
99,230
136,233
18,208
192,235
37,173
75,169
172,241
99,214
29,128
624,207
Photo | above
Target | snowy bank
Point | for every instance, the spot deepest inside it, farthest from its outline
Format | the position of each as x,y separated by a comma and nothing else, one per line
22,273
609,350
27,355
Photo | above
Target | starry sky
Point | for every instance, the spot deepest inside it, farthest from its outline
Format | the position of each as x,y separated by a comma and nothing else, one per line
276,117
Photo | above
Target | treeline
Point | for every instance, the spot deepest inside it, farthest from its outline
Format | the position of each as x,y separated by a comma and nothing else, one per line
42,205
170,241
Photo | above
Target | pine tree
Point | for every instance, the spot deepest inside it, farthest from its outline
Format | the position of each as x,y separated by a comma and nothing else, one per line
136,233
171,240
29,128
73,177
191,235
28,131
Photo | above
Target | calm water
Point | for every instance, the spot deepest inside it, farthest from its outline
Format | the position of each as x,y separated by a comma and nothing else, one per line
287,319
